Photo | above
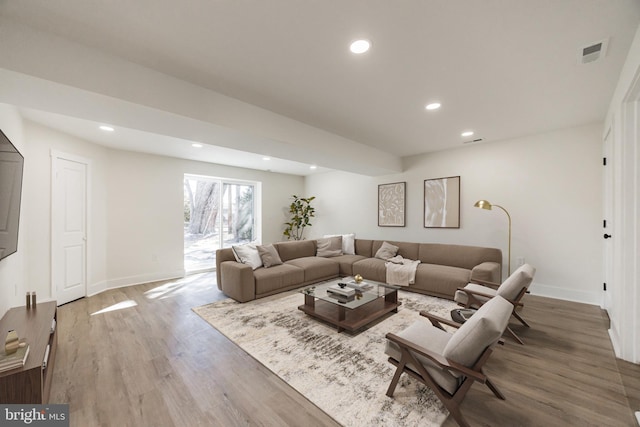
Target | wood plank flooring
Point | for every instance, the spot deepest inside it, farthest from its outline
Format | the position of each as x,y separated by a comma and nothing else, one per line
138,356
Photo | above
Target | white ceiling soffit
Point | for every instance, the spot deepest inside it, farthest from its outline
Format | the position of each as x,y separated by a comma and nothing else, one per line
502,69
145,142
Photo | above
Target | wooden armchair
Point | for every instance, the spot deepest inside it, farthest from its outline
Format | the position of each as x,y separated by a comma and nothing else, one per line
478,292
449,363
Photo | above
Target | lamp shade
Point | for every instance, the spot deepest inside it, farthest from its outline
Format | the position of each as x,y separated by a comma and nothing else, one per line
483,204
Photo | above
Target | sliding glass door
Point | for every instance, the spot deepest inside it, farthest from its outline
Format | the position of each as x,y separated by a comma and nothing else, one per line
218,213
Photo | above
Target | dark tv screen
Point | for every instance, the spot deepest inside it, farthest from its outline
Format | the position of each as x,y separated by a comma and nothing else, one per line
11,166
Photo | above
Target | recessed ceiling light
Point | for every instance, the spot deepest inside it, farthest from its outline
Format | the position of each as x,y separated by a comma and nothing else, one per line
106,128
266,158
360,46
433,106
467,133
313,167
196,145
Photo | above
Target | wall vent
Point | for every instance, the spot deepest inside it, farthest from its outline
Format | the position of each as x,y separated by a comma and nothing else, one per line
593,52
472,141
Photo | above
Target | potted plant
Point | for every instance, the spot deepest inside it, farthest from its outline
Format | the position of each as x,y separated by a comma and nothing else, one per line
301,213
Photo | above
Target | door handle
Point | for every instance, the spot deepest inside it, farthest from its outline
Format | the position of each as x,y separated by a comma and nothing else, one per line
607,236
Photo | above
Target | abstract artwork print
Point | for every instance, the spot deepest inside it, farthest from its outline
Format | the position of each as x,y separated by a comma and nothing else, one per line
442,202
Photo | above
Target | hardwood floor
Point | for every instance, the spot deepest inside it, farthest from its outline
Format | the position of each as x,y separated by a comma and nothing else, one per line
138,356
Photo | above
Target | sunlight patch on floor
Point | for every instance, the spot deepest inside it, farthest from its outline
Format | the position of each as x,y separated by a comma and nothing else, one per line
173,287
119,306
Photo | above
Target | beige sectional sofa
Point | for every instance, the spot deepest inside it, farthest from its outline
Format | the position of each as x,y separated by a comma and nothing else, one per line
442,270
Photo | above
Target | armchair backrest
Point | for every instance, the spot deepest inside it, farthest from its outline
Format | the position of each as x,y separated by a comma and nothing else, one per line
482,330
519,279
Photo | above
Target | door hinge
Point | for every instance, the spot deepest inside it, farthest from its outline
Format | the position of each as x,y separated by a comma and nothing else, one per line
604,223
604,286
604,161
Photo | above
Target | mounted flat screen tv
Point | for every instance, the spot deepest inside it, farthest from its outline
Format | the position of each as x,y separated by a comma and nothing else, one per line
11,166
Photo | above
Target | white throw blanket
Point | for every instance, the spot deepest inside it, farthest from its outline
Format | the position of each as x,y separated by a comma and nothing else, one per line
401,271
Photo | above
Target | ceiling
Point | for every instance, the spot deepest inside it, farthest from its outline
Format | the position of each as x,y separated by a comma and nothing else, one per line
501,68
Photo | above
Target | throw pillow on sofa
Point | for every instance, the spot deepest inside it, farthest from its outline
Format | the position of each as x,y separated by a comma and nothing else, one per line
269,256
329,246
348,242
386,251
247,254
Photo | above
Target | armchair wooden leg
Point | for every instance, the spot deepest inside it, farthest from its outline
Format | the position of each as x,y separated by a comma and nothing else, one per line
396,378
513,335
454,410
517,316
495,389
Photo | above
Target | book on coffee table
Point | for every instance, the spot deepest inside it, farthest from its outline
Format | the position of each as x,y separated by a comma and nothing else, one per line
341,298
362,286
343,291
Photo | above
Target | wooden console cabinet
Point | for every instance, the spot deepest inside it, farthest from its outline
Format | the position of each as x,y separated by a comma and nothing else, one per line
32,382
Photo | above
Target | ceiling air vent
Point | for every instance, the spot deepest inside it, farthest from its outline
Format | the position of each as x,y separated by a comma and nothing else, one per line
593,52
472,141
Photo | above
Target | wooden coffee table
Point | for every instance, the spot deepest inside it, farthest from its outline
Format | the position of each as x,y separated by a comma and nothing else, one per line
367,306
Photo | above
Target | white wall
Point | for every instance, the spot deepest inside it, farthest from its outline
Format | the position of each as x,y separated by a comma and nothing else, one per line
135,211
145,212
541,180
12,268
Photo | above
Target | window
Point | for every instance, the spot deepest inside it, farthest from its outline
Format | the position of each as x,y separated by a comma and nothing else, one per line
218,213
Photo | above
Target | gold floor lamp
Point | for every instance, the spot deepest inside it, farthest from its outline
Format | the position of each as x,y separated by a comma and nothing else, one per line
483,204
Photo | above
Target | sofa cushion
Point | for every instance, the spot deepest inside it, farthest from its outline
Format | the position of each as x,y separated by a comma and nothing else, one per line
348,242
440,280
295,249
247,254
386,251
270,280
329,246
407,250
269,256
316,268
457,255
346,263
371,268
364,247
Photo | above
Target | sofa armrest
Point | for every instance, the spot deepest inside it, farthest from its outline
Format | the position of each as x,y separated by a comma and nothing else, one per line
222,255
487,272
237,281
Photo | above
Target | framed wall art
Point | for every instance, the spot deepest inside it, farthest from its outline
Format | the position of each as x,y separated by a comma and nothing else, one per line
391,204
442,202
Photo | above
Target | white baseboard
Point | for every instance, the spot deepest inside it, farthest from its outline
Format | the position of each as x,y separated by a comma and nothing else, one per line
557,292
615,341
96,288
132,280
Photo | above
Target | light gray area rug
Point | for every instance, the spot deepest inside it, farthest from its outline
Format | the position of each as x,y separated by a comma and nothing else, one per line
345,375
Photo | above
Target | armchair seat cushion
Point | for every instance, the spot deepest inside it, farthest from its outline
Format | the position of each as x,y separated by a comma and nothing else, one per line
462,297
426,335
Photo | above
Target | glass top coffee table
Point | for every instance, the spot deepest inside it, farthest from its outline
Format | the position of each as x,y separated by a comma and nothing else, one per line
352,306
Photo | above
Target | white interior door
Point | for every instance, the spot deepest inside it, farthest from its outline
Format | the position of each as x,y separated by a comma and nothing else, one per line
69,222
608,190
